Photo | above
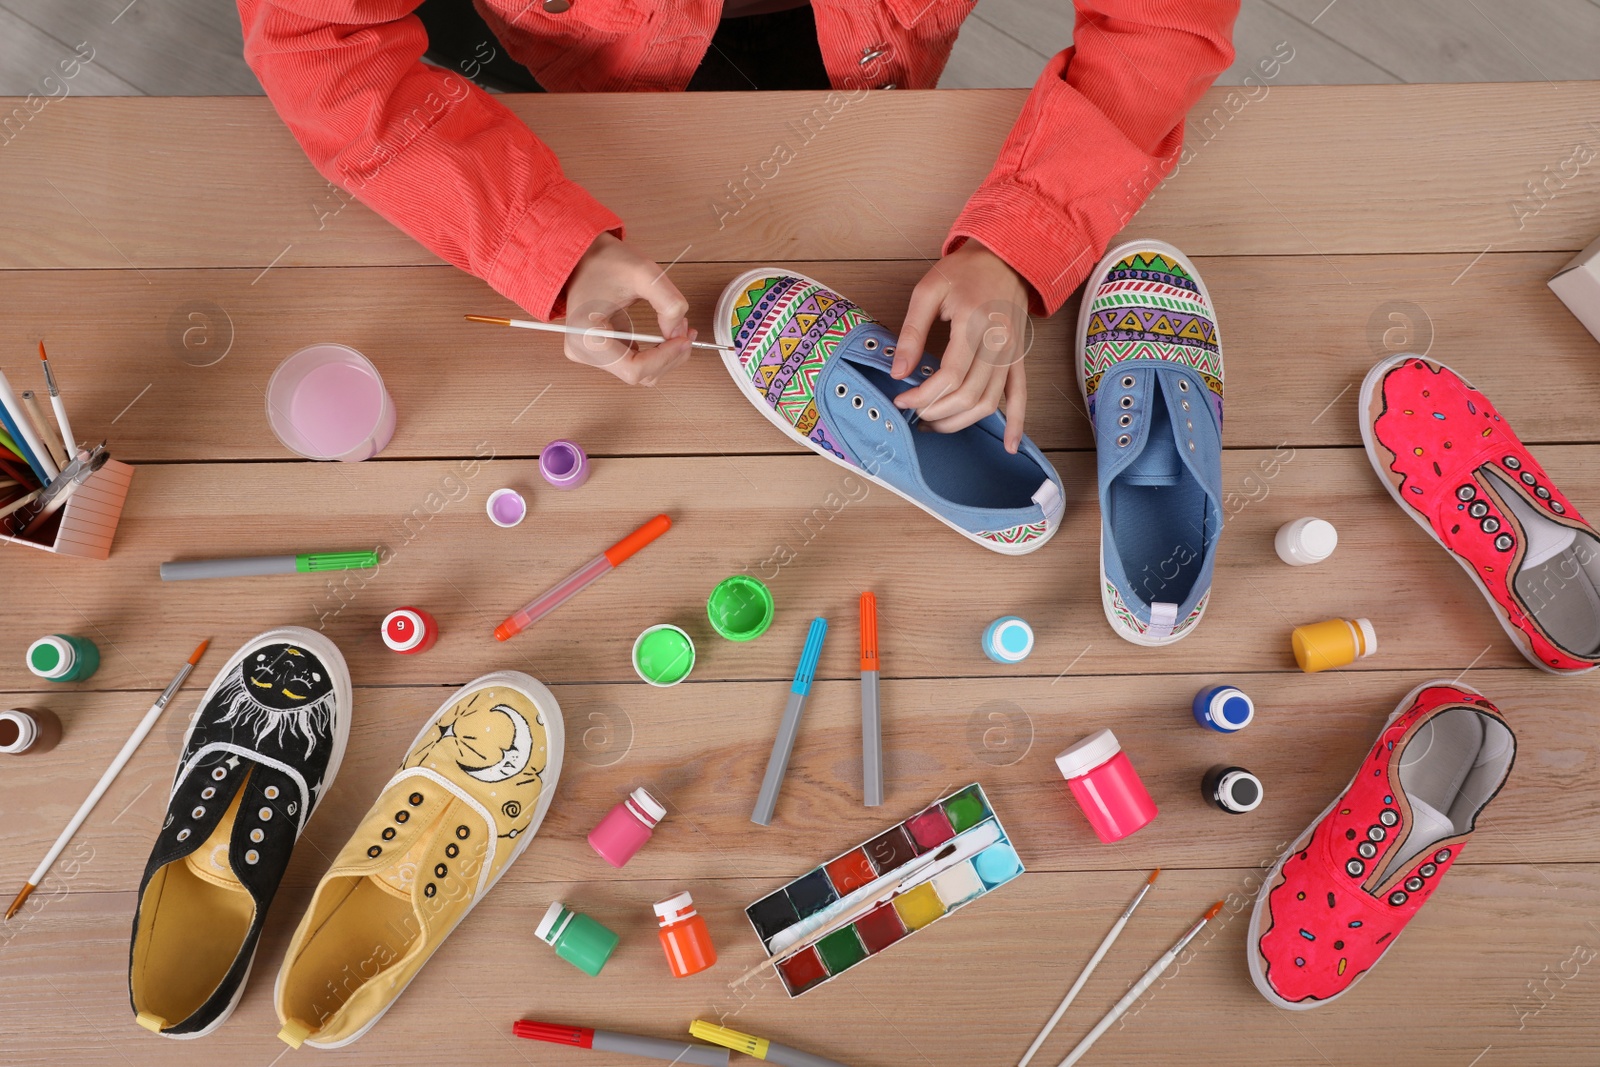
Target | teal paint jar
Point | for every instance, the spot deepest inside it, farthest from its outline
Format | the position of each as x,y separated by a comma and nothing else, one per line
577,938
63,658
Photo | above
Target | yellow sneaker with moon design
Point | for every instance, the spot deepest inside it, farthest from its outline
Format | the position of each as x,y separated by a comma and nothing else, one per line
469,796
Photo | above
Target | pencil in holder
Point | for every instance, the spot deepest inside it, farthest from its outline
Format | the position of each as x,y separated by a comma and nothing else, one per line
86,524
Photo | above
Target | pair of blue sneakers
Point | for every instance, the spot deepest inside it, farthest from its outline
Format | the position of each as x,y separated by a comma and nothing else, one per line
1150,369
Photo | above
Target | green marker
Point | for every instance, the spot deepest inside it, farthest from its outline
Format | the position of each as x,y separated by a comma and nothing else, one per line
251,566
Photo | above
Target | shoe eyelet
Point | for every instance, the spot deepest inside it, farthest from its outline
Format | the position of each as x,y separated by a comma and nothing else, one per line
887,425
199,812
375,851
463,833
452,850
430,890
265,814
1513,463
1389,817
1355,868
440,870
856,402
926,371
1125,420
1504,542
1127,381
841,389
1442,855
1126,402
1541,492
1490,525
1527,478
256,835
1397,898
251,857
1413,883
388,833
1183,386
1185,404
1427,870
1376,833
402,816
183,835
1191,446
1124,441
1188,424
872,413
1466,492
208,792
1366,850
271,792
218,774
870,344
1555,506
415,799
1478,509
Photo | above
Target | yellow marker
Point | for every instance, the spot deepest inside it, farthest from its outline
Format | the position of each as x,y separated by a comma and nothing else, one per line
759,1047
1320,646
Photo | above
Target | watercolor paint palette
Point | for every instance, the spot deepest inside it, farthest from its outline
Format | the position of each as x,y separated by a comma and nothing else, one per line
981,859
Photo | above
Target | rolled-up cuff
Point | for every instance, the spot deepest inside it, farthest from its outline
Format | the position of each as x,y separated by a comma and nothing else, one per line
1033,235
545,244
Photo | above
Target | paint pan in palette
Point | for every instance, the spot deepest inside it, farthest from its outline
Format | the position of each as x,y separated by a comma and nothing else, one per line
980,859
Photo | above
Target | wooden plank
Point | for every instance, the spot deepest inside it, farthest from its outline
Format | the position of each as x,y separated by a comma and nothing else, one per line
175,368
1264,32
1490,962
817,534
220,183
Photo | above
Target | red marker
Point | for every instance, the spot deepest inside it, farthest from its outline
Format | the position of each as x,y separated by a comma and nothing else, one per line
571,585
409,631
686,1052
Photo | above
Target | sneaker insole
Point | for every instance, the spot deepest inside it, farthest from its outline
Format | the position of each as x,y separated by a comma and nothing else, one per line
1449,770
970,467
1557,582
192,923
1158,516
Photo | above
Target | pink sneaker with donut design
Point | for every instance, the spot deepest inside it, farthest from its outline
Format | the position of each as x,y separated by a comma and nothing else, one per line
1455,466
1337,900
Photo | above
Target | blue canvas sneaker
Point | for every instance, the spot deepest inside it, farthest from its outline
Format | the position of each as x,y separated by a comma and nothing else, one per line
817,367
1150,368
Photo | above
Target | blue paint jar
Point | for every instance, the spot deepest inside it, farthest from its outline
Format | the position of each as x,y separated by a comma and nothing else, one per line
1008,640
1223,708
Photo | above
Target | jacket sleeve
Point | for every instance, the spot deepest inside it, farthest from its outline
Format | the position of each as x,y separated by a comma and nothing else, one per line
1100,129
422,146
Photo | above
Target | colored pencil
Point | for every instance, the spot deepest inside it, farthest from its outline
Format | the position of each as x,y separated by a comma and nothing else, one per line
110,775
22,435
871,721
56,405
1156,970
47,433
19,471
585,331
71,479
1088,969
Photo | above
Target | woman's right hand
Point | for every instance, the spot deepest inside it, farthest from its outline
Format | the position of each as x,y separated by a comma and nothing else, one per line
608,280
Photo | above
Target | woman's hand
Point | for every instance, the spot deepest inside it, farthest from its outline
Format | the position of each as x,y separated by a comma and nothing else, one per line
986,304
609,278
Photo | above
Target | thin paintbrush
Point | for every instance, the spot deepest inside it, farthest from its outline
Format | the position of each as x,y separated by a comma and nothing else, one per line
1088,969
100,787
57,406
582,331
1132,995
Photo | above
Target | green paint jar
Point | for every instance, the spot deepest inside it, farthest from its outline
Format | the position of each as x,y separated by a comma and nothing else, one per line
63,658
577,938
740,608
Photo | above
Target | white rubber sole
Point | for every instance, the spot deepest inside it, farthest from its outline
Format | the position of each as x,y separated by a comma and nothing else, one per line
1253,955
1369,387
730,360
1079,346
555,744
330,655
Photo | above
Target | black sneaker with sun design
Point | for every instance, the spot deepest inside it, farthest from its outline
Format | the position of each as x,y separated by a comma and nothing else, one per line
261,751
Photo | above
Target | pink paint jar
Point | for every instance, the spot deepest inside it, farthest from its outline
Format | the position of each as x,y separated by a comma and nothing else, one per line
1106,786
626,828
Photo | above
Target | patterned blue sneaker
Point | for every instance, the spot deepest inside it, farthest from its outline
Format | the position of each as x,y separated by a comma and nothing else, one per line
1150,367
817,367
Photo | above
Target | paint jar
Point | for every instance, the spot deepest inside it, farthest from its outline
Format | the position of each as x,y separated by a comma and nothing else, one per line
506,508
1320,646
577,938
328,402
1106,786
1223,708
63,658
740,608
563,464
1231,789
663,655
1305,541
626,828
410,631
1008,640
684,936
28,730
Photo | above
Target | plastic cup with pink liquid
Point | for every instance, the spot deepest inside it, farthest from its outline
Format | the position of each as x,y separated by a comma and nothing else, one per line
328,402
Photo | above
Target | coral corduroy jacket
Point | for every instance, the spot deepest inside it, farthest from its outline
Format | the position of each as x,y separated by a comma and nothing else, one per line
449,165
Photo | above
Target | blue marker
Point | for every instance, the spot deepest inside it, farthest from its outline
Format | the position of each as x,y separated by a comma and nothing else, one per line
1223,708
783,744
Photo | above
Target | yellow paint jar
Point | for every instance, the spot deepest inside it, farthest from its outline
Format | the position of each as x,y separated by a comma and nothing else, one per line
1321,646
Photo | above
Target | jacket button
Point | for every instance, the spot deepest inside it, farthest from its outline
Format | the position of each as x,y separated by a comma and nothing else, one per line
556,7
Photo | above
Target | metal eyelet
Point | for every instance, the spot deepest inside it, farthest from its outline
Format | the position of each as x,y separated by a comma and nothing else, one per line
1478,509
872,413
1541,492
1513,463
388,833
265,814
887,425
271,792
1376,833
251,857
926,371
375,851
888,350
452,850
402,816
440,870
463,833
1126,402
1442,855
1427,870
199,812
1397,898
1191,446
1124,441
1355,868
1413,883
430,890
1366,850
1466,492
841,389
1504,542
256,835
183,835
1125,420
856,402
870,344
218,774
1127,381
1388,817
414,799
1183,386
1490,525
1527,478
1185,404
1555,506
1188,424
208,792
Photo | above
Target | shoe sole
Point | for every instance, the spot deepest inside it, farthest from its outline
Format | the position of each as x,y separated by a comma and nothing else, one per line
555,744
730,359
1369,388
1080,342
319,644
1253,937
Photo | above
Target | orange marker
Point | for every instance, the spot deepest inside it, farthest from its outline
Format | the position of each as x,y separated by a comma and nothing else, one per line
871,721
570,586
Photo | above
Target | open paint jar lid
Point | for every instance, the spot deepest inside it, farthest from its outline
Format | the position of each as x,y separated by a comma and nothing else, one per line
663,655
740,608
506,508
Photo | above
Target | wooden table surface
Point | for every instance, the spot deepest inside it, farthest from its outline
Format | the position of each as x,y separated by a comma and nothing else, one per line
173,251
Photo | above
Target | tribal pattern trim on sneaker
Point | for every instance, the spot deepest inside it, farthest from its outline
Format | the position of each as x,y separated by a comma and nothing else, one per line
1017,535
1133,622
1148,307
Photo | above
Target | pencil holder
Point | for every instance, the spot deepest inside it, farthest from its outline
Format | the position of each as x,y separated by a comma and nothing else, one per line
85,525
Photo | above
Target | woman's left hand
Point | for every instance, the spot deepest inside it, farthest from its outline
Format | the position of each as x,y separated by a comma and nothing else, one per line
986,304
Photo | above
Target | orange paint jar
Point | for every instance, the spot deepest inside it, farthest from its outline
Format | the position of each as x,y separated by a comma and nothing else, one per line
684,936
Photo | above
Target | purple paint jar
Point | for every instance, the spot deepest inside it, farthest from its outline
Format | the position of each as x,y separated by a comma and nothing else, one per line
563,464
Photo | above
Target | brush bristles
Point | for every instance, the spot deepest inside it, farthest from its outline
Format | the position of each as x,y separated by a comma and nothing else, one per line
1153,876
199,652
1212,914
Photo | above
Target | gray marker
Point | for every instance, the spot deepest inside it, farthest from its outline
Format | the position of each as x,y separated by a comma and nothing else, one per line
871,721
783,744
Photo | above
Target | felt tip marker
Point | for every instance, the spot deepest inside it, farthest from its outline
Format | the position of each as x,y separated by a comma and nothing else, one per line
789,727
574,583
871,720
759,1047
251,566
653,1048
